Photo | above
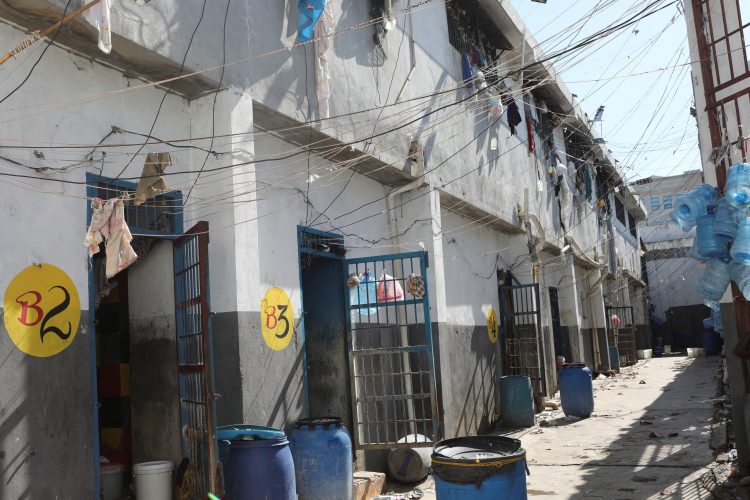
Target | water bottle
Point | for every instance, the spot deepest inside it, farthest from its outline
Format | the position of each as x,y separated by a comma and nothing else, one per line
726,220
685,225
741,246
738,185
714,282
709,244
691,205
740,274
694,252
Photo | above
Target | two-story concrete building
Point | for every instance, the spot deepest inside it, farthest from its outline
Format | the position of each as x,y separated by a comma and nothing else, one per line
376,224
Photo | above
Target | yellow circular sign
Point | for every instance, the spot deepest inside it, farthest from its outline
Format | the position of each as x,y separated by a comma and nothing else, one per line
42,310
492,325
277,319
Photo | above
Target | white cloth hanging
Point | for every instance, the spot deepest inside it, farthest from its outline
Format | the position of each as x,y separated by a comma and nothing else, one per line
98,16
323,41
108,224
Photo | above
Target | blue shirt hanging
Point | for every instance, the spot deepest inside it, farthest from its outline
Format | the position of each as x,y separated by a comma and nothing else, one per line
309,13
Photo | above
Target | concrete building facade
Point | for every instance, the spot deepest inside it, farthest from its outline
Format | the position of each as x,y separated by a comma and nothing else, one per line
718,33
241,307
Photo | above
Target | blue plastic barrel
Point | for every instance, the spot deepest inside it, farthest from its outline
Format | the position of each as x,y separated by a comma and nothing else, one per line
711,343
614,357
226,433
479,467
516,401
322,451
259,468
576,390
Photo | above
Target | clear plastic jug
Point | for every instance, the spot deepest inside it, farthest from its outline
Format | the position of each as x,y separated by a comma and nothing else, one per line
714,282
741,246
685,225
709,244
738,185
694,252
691,205
726,220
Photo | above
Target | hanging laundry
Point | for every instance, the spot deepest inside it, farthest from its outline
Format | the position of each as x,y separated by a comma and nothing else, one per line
514,116
389,290
151,182
474,56
98,16
415,286
530,132
466,73
323,40
589,181
309,14
108,224
495,106
389,19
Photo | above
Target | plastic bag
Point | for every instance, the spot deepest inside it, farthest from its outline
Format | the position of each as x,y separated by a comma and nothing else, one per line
389,290
363,293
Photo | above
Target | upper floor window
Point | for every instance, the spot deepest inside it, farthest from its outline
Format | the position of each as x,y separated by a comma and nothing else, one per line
620,212
159,215
655,205
667,201
631,225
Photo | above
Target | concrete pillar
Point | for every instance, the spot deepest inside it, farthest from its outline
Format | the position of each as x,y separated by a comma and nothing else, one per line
571,314
423,204
599,341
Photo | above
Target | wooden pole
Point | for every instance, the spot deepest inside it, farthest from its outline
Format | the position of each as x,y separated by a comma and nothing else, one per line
36,35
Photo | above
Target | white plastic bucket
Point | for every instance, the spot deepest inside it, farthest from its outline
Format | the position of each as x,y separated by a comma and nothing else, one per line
644,353
153,480
111,477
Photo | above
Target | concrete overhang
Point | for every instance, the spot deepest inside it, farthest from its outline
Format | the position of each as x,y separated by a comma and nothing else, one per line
132,59
505,18
295,132
632,278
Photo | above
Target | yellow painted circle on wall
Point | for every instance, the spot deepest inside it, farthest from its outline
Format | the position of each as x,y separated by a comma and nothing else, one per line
277,319
42,310
492,328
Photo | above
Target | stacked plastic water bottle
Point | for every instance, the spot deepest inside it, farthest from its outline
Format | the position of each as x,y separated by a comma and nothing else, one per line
722,234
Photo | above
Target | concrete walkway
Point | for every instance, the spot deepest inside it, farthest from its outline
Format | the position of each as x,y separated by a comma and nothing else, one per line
613,454
649,436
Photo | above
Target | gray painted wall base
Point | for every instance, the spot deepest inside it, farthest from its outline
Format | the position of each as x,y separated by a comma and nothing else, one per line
46,421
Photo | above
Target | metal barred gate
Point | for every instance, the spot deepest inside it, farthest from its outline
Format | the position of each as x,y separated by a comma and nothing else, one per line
194,360
520,320
623,336
392,367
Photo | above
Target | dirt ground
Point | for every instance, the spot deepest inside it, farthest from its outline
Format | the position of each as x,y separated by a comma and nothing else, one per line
650,436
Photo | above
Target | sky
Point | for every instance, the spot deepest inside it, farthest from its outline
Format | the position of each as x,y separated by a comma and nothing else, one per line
646,122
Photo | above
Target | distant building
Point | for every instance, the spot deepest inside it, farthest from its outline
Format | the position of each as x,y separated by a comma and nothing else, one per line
672,274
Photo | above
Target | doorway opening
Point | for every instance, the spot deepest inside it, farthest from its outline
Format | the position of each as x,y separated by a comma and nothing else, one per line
560,337
146,321
322,283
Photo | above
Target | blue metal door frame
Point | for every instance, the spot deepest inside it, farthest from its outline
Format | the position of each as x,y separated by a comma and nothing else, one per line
307,247
386,412
95,185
